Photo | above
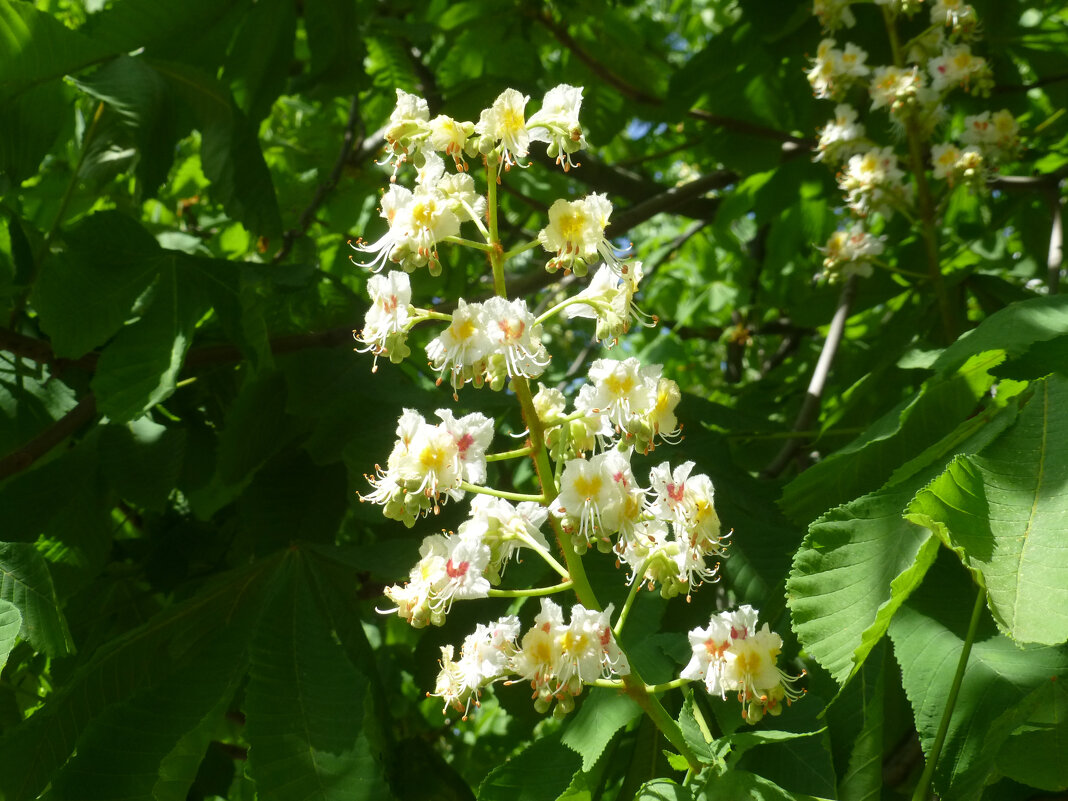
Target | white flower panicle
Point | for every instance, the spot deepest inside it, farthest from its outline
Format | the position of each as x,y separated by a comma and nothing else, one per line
484,658
731,656
873,181
834,70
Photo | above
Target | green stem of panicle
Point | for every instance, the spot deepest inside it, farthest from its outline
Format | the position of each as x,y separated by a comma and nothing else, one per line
928,221
924,785
633,684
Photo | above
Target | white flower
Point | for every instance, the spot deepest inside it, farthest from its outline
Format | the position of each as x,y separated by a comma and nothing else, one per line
840,137
850,252
407,127
957,67
557,124
506,529
609,299
871,180
954,14
511,330
589,495
996,135
944,158
708,646
504,122
893,87
473,434
575,233
450,136
833,70
461,349
386,322
833,14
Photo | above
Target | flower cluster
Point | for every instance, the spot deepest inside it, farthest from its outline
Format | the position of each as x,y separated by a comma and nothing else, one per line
913,91
731,656
665,534
557,658
429,463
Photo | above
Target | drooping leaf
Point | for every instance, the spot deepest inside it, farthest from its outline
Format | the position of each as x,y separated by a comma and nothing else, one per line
258,63
10,624
32,121
745,786
928,634
26,583
31,399
142,460
1005,512
305,705
128,25
146,107
862,779
178,769
1032,754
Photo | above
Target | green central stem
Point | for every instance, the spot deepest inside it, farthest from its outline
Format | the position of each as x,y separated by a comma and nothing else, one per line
633,684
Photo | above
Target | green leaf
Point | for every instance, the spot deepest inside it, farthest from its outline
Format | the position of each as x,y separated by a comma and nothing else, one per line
1005,512
127,25
84,295
863,776
32,752
1012,330
120,754
142,461
139,368
599,719
305,705
144,102
540,772
259,60
851,574
10,624
178,769
230,150
739,785
26,583
860,561
663,790
36,47
928,634
31,399
1034,753
866,463
32,121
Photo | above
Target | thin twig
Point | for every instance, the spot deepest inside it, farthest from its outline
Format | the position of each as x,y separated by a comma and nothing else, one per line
20,459
348,144
811,404
641,96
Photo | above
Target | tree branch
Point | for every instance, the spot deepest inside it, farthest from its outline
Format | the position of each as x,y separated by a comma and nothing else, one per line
810,406
20,459
632,92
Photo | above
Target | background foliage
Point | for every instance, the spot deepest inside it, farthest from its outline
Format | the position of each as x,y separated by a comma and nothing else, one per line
187,579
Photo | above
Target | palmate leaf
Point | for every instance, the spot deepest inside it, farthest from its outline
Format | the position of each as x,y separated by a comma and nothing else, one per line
26,583
928,634
1005,512
31,753
540,772
602,715
305,704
